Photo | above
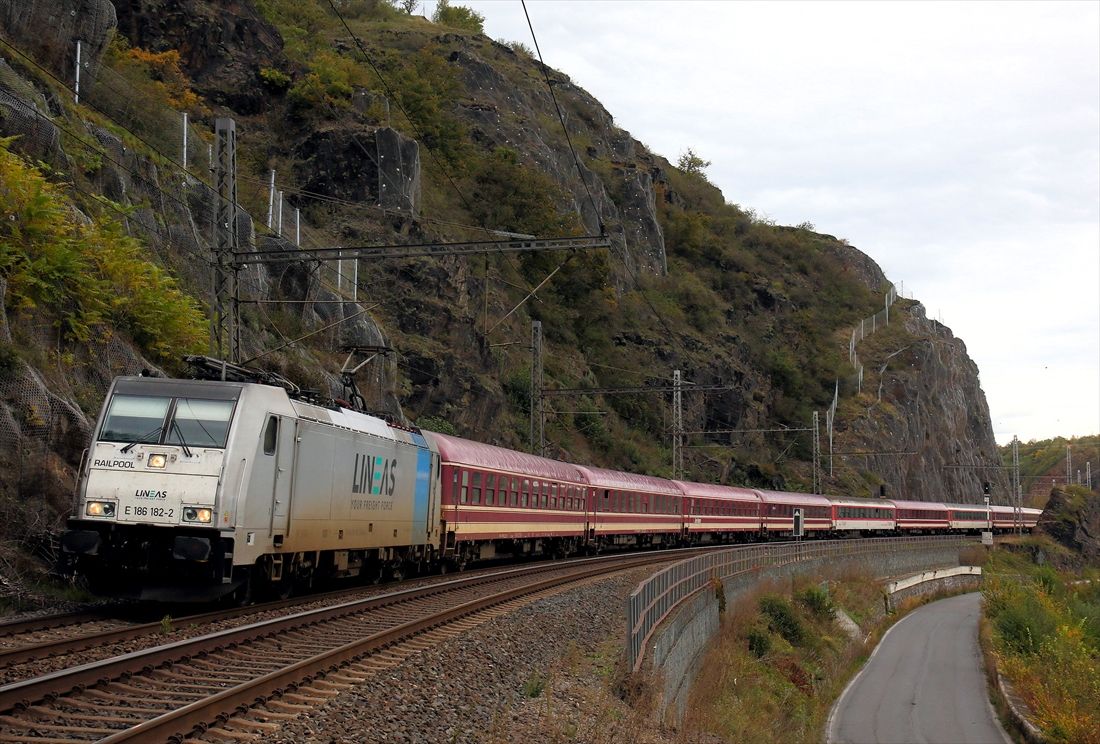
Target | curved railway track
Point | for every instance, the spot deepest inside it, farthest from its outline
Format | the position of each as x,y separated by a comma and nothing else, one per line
243,680
97,634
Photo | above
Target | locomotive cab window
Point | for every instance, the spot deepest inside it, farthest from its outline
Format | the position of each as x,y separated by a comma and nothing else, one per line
150,419
271,435
200,423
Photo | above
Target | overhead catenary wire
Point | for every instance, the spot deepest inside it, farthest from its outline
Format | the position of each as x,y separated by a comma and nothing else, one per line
561,118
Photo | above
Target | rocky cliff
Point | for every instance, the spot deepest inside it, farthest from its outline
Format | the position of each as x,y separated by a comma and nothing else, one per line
922,417
459,139
1072,517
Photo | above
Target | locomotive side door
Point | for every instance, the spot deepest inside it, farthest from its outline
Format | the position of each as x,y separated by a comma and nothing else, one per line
284,475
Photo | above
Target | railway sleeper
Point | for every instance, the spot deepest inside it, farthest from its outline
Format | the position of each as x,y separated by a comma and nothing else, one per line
54,727
168,705
52,714
249,724
146,693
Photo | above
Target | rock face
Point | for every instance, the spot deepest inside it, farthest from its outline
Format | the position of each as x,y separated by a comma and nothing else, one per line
925,421
1074,521
374,165
49,30
223,43
501,111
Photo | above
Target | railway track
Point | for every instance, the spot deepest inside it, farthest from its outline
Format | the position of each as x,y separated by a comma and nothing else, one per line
98,634
244,680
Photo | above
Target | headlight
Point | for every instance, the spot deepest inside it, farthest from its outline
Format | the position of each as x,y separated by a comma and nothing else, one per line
100,509
158,460
197,514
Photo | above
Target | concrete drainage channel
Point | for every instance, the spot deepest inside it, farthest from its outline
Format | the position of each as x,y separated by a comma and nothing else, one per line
673,615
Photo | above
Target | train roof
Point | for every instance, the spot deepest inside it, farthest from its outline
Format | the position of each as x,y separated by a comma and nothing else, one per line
785,497
919,505
475,454
851,501
715,491
966,506
604,478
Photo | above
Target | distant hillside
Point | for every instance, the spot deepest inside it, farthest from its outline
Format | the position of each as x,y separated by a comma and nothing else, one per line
1043,465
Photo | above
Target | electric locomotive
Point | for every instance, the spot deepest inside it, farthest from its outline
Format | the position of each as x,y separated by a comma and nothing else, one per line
195,489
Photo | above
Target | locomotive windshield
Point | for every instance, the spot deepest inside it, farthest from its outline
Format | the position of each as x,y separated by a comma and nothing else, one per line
190,422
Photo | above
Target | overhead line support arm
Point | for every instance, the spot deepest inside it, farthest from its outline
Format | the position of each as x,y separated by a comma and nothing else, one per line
423,249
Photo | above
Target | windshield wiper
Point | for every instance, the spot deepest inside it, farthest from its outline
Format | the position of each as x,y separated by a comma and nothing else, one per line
143,439
175,426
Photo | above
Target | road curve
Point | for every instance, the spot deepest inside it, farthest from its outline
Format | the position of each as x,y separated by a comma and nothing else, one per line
923,684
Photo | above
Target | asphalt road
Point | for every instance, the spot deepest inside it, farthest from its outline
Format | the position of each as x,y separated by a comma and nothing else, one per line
923,684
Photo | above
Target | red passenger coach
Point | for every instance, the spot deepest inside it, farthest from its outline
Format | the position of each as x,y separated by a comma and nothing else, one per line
968,517
1004,518
631,509
779,510
922,516
863,516
718,513
497,501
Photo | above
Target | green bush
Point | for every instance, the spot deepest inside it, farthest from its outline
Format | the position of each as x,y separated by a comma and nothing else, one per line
275,79
458,16
437,424
816,600
87,275
760,642
782,619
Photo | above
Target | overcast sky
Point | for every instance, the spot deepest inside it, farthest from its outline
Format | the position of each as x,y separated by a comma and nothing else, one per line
958,144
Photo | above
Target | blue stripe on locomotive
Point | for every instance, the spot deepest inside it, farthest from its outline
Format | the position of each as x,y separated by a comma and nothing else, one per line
423,485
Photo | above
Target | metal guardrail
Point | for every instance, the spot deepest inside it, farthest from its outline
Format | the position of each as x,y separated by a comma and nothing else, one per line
658,596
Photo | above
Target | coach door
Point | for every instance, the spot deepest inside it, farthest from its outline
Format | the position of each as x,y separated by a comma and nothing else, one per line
285,438
798,526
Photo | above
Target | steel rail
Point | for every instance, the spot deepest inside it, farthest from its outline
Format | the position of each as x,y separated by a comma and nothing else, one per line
17,655
13,628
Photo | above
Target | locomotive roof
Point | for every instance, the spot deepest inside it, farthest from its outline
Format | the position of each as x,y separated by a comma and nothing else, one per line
604,478
785,497
715,491
478,455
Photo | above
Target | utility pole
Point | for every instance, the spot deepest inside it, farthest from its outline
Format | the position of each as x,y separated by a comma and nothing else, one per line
677,426
1088,475
538,419
1017,500
817,454
225,321
1069,466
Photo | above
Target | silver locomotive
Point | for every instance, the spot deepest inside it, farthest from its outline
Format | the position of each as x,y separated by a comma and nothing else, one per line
196,489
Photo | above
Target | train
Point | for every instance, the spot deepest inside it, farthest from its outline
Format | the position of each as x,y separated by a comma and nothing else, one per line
208,489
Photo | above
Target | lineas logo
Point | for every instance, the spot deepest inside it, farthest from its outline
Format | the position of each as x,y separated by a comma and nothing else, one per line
374,475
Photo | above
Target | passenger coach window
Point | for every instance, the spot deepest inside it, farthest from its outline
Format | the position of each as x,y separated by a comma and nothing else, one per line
475,491
271,435
465,485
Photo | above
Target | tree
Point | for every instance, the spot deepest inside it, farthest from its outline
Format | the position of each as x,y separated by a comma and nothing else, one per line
692,164
409,6
458,16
